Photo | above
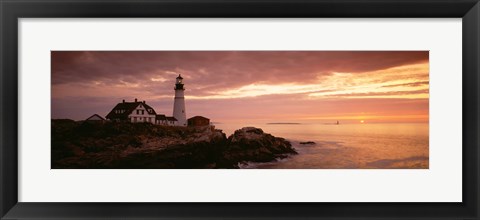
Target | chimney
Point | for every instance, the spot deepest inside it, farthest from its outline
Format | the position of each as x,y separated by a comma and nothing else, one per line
123,101
143,101
135,99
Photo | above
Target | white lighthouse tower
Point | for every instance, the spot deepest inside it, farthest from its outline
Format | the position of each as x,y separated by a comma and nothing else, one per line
179,103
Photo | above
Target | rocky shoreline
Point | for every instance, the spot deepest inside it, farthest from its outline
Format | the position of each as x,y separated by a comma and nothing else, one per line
77,145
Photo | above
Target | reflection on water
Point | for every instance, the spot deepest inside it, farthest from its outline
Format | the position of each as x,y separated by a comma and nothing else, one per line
349,146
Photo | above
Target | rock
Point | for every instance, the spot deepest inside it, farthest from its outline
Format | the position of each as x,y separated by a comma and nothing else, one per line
252,130
251,144
308,142
146,146
195,155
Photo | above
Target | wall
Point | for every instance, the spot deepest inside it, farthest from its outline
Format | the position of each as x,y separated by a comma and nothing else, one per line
141,118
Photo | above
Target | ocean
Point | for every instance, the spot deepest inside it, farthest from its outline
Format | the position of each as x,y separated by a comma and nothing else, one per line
348,146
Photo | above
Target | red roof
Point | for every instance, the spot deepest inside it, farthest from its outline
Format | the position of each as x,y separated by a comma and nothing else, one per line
198,117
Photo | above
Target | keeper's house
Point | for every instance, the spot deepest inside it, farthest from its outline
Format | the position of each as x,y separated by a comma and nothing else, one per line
161,120
172,121
95,118
133,112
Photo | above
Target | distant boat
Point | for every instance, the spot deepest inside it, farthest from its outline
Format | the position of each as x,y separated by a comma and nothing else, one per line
337,123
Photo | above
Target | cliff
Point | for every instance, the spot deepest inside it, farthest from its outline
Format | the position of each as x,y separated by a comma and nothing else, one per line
146,146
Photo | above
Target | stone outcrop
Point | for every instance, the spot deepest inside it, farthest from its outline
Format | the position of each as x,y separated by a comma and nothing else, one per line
251,144
147,146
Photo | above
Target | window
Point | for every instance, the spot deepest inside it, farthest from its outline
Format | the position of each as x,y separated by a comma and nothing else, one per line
138,112
134,119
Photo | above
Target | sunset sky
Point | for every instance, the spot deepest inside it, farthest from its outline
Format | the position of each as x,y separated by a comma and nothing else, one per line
248,86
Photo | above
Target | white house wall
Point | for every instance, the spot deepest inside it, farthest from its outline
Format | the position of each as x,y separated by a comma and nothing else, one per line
145,117
162,122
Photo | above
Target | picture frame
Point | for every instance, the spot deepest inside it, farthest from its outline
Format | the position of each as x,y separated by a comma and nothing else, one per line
468,10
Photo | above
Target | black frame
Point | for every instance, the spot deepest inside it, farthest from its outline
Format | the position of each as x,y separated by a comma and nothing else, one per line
11,10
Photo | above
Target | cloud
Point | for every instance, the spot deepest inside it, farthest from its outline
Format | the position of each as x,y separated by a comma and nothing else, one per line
85,82
217,70
412,84
382,94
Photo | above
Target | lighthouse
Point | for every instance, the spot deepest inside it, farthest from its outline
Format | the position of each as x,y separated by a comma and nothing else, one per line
179,103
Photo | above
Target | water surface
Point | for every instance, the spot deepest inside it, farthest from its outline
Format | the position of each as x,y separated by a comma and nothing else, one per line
348,146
